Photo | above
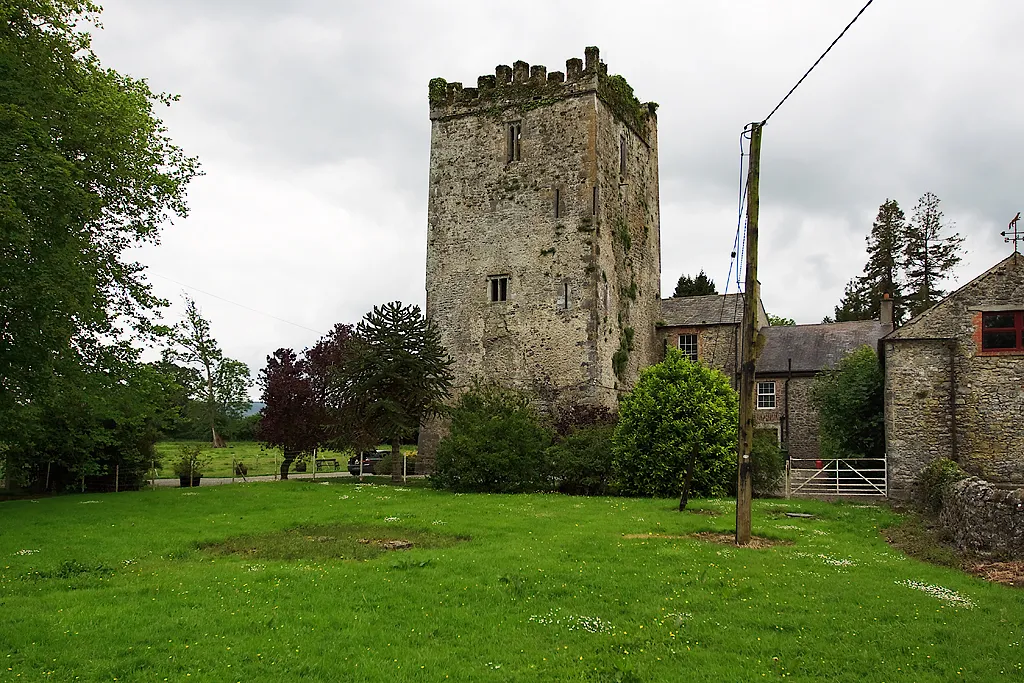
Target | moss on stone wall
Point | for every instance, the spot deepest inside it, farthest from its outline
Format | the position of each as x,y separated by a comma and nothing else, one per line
617,93
437,90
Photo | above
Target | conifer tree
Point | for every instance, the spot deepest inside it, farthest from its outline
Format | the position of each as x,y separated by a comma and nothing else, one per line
855,304
929,256
883,271
694,286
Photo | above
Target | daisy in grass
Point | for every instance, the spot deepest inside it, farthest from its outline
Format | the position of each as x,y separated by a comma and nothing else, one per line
944,594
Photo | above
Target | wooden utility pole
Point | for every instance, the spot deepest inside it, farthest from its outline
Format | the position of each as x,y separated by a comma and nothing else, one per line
750,346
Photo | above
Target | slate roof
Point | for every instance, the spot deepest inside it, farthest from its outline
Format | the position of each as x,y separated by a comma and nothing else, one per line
815,347
712,309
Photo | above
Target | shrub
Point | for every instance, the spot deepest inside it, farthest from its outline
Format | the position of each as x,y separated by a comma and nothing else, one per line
767,464
582,460
850,407
496,443
934,480
679,410
191,462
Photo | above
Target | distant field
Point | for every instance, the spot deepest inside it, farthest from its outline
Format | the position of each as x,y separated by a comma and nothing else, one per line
286,581
257,459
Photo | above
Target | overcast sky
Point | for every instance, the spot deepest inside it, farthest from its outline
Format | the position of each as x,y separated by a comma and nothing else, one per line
310,119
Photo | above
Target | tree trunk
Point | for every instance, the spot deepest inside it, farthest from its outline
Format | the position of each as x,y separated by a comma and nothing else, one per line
286,462
685,497
396,461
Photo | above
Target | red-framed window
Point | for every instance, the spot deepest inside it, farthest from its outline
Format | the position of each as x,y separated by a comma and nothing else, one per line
1002,331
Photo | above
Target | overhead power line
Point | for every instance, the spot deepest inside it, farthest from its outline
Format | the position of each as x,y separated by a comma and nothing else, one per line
235,303
818,61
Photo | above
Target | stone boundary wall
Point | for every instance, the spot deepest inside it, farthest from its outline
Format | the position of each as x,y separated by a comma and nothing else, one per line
984,519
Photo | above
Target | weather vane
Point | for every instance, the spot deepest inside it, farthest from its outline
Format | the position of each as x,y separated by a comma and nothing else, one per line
1017,237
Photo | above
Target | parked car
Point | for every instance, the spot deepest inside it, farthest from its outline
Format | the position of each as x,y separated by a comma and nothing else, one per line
370,460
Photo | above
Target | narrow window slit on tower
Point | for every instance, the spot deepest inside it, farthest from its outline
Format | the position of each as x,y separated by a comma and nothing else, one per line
558,202
622,155
593,205
514,138
497,288
565,296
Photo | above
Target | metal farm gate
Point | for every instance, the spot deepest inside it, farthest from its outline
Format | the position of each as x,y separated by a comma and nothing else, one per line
815,478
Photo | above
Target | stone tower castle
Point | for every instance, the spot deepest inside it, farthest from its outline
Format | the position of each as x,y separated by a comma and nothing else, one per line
543,236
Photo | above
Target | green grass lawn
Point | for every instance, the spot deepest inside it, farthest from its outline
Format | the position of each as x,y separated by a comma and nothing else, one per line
257,458
270,582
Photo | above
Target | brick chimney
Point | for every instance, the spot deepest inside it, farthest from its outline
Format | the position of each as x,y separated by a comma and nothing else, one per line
887,312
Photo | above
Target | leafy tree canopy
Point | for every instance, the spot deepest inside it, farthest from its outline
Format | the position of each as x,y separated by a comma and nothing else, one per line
87,171
778,320
694,286
678,411
850,406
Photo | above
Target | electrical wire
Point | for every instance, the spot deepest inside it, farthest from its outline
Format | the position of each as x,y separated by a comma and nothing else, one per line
235,303
808,73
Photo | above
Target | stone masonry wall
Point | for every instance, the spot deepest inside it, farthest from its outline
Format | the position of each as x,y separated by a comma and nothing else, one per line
918,428
716,346
488,216
984,519
980,427
800,435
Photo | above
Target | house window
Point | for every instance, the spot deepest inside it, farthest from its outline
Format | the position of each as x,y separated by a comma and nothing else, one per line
497,288
765,395
688,345
514,136
1001,331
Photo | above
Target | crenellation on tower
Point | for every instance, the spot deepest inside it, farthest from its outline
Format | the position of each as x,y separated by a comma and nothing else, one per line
520,72
543,232
574,69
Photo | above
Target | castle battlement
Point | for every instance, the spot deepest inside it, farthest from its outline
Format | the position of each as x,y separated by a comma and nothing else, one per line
522,87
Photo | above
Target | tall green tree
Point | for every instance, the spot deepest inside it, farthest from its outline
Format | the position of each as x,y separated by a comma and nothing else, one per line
676,429
87,171
224,387
930,254
883,271
694,286
399,374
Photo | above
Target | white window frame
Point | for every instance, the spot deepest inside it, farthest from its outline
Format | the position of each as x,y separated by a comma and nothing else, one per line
766,399
692,355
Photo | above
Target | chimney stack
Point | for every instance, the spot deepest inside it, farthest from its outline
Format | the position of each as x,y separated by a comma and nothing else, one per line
887,312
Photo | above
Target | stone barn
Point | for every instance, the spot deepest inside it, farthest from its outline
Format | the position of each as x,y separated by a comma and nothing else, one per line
954,383
543,233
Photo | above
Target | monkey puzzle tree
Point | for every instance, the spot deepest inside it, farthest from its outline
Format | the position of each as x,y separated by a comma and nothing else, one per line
399,374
